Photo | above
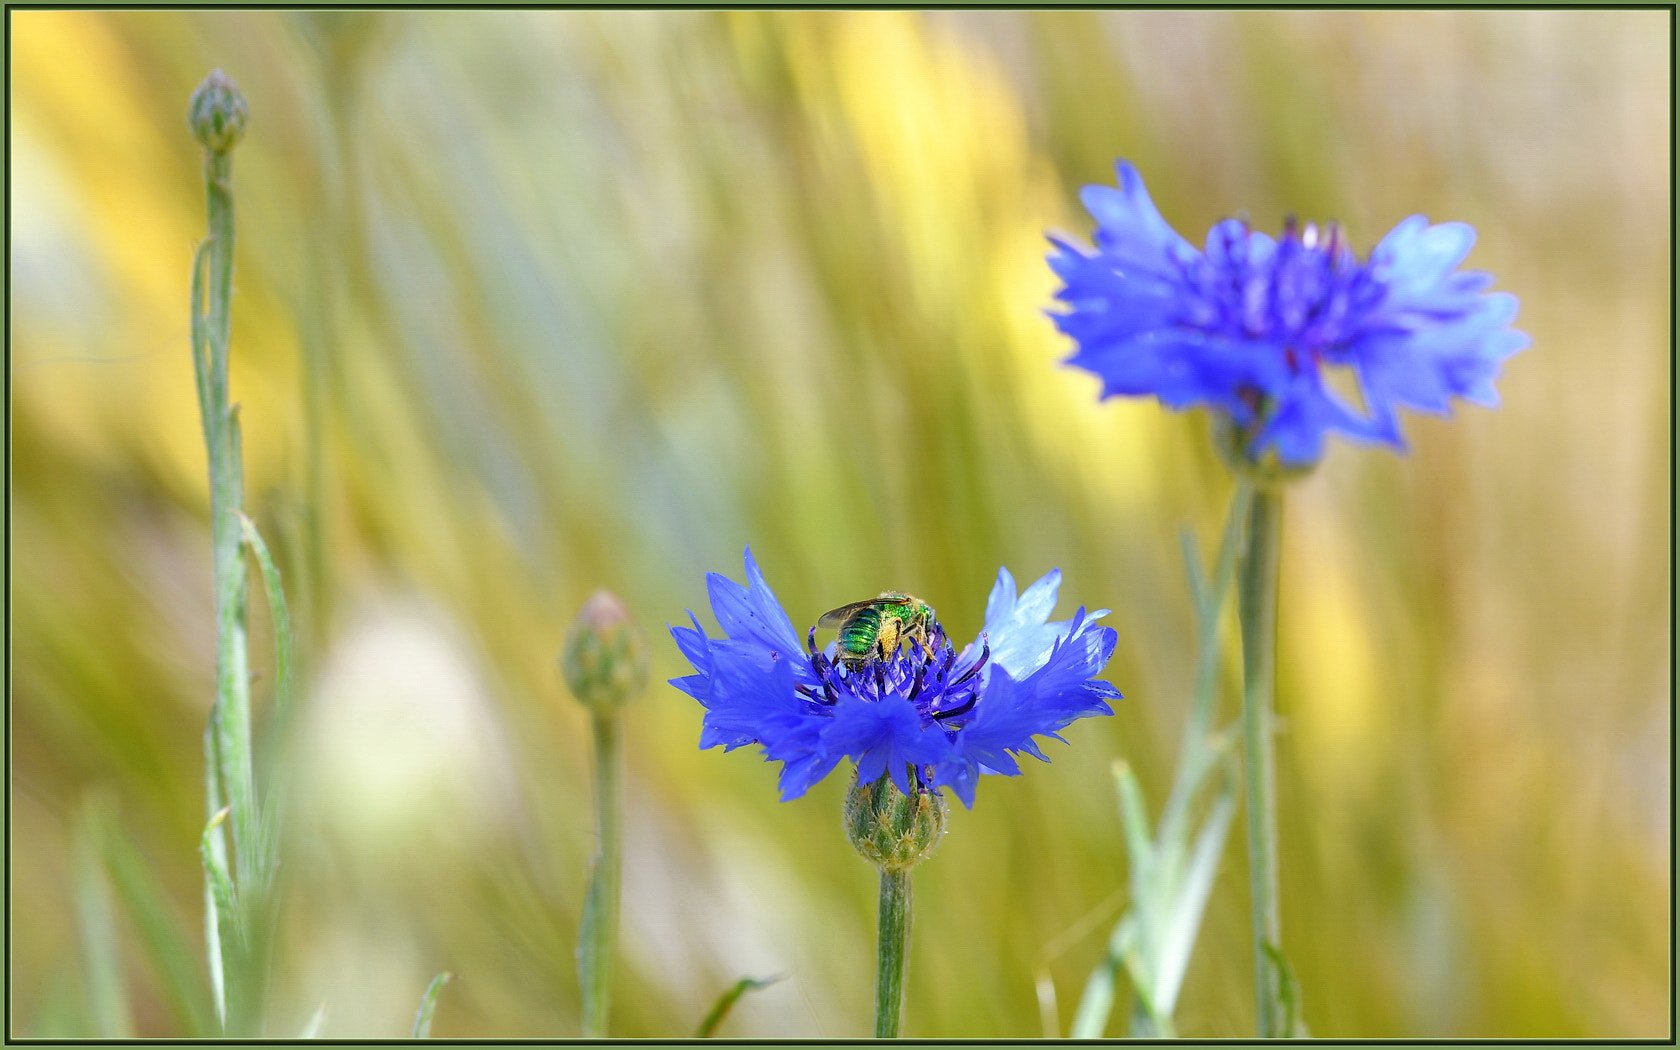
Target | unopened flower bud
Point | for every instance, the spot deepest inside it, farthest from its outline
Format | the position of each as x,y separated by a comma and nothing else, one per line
217,113
890,829
605,661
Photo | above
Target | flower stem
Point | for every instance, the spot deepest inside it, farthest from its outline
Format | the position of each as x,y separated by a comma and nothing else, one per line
227,492
240,957
599,931
892,949
1257,612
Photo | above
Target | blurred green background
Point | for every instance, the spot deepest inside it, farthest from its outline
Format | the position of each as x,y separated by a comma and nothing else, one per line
531,303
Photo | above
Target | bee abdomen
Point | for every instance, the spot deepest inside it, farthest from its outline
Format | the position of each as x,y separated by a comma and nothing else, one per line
858,634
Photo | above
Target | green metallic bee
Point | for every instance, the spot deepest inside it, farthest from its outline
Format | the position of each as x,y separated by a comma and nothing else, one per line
874,627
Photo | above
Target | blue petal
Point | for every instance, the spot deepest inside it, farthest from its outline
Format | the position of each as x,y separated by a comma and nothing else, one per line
692,642
1416,257
752,611
1016,630
802,773
1012,711
751,697
1130,226
1305,412
1422,365
883,736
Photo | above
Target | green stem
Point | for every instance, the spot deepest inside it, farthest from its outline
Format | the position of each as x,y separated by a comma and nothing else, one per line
1257,611
216,844
892,949
599,933
227,496
242,947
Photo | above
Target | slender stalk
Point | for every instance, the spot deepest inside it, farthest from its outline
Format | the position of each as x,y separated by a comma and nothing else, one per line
428,1005
726,1002
892,951
599,934
1257,611
238,873
216,844
1194,760
227,496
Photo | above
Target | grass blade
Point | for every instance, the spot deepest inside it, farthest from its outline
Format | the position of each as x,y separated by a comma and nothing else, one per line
1134,818
1149,1020
161,933
1098,1000
1185,918
428,1005
727,1001
96,922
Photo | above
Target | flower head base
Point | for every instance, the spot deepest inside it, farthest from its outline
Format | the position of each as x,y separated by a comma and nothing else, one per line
1251,325
890,829
926,715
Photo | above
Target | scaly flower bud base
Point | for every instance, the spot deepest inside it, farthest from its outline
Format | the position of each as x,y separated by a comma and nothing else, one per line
890,829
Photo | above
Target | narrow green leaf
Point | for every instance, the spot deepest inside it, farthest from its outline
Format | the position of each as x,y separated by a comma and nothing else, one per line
1184,919
161,933
428,1005
218,851
1097,1002
221,887
1193,571
96,923
1134,819
201,345
1157,1022
727,1000
1193,760
278,613
1289,991
269,817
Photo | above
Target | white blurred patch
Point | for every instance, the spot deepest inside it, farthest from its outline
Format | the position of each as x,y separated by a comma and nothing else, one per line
723,905
403,745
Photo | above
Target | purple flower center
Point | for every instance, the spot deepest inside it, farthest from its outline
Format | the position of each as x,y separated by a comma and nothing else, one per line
937,680
1303,293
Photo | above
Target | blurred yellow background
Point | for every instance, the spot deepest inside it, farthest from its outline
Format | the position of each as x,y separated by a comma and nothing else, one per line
531,303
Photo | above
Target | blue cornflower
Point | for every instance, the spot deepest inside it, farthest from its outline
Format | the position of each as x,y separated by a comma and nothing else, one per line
929,716
1249,325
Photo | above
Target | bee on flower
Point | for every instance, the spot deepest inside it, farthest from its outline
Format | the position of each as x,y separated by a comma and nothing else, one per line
921,710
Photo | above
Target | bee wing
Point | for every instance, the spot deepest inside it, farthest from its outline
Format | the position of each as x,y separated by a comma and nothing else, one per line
838,617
